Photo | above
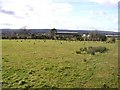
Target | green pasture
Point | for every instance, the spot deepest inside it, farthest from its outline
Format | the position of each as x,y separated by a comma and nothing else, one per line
55,64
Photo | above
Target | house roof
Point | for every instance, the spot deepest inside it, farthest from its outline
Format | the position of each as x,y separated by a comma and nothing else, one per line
68,32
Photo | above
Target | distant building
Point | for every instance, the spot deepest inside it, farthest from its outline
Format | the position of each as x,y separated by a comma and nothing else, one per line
115,36
67,33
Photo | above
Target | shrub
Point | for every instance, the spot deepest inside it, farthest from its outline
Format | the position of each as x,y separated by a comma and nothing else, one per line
101,49
111,40
92,50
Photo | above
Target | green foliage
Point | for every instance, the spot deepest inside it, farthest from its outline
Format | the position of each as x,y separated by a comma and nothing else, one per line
111,40
94,36
92,50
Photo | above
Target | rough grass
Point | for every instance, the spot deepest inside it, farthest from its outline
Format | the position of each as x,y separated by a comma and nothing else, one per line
55,64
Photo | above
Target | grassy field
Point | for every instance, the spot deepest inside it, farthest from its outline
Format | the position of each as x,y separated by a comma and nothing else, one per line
38,64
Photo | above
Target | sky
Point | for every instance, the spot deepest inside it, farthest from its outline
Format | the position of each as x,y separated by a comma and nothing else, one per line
59,14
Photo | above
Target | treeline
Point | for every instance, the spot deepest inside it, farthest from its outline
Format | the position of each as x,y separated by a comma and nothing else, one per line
26,34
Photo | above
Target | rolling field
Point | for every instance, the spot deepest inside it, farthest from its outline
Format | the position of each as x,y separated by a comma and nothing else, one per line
39,64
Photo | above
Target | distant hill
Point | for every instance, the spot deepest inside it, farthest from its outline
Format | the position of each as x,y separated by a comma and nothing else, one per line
88,31
61,30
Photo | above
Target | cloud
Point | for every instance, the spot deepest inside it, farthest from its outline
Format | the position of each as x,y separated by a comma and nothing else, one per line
102,2
7,12
28,7
53,13
104,20
97,12
34,14
8,24
70,1
102,15
106,2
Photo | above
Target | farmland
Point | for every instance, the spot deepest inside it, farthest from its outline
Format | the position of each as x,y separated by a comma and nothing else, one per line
55,64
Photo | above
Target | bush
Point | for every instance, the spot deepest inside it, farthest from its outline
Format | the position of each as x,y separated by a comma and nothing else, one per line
100,49
111,40
92,50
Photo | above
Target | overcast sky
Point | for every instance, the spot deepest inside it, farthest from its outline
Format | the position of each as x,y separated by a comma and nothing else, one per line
60,14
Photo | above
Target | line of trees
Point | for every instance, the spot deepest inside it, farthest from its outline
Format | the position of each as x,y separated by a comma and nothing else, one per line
27,34
24,34
93,36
